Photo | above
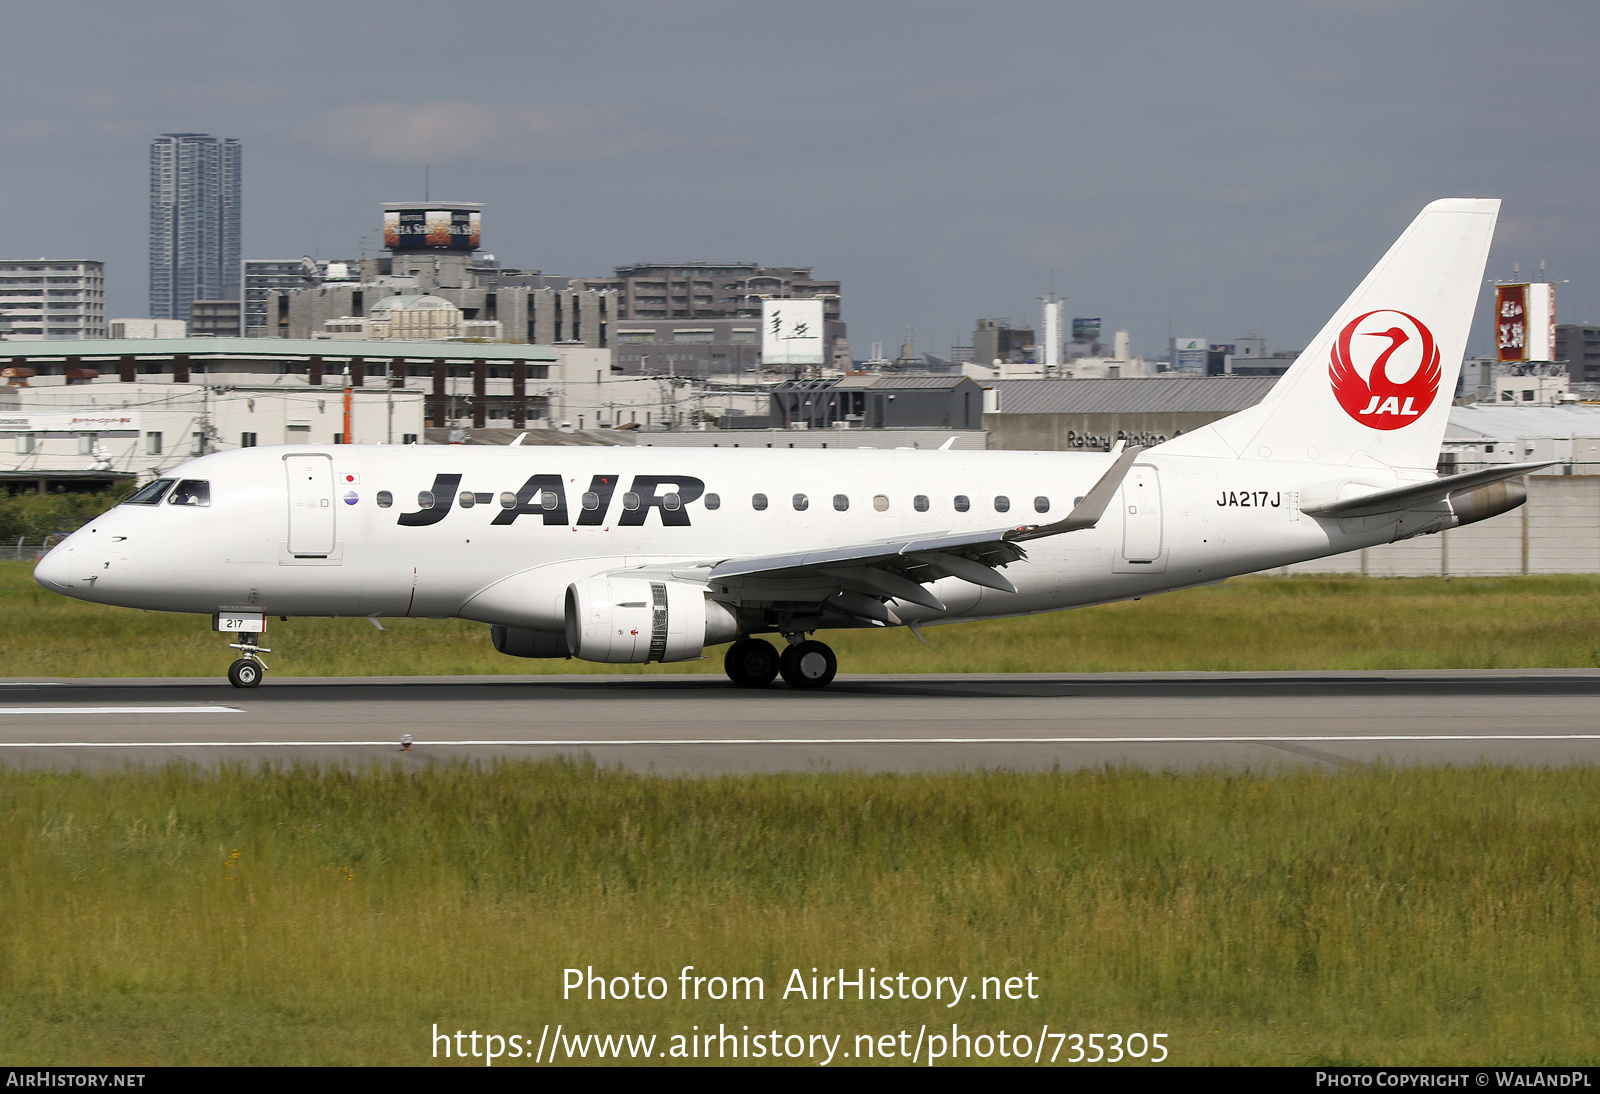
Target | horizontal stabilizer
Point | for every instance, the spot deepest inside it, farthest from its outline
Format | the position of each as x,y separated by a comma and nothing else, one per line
1422,493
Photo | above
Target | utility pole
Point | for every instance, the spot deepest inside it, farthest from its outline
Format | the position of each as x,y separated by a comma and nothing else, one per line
347,438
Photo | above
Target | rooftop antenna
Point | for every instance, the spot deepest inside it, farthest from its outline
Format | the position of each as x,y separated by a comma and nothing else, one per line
427,193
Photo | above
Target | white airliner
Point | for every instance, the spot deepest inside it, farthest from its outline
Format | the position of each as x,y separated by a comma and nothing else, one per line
625,555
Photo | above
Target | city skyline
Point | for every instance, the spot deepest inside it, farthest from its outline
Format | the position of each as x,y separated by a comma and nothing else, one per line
1193,169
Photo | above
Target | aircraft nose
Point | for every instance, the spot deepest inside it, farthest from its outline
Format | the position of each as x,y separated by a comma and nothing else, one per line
54,570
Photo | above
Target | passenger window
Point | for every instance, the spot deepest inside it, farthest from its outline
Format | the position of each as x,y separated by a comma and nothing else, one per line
591,500
1002,504
801,503
191,492
1041,504
630,501
151,494
671,502
712,501
508,500
385,499
920,503
880,503
548,500
841,502
466,499
424,499
758,502
963,503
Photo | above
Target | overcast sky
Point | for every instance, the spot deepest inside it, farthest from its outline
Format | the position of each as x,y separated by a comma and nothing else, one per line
1219,167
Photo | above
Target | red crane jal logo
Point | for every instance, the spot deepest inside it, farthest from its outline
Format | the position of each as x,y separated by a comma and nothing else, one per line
1370,351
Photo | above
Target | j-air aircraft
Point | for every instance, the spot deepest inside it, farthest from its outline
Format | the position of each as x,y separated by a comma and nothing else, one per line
627,555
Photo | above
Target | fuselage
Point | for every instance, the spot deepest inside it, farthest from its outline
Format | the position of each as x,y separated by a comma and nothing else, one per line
497,534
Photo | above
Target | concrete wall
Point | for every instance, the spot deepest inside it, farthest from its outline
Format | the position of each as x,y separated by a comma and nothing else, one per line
1556,532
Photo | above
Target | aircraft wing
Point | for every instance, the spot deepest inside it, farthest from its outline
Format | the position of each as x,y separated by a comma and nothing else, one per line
1422,493
856,580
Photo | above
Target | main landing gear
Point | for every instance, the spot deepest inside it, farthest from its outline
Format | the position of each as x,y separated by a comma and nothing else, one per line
249,669
753,663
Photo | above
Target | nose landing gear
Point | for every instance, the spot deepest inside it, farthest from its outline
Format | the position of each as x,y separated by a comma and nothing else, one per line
249,669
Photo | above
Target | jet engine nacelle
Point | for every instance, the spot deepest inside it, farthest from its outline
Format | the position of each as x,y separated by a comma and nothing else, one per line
627,619
1489,500
523,642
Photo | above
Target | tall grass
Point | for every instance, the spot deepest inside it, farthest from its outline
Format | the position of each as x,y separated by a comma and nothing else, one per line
1306,622
293,916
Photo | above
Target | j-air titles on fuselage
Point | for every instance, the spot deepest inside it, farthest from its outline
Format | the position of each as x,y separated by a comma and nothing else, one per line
545,496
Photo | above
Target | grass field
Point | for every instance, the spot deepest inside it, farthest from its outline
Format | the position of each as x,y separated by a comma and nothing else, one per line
296,916
1396,917
1305,622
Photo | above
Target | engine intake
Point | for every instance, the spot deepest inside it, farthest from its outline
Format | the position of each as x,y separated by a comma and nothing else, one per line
628,619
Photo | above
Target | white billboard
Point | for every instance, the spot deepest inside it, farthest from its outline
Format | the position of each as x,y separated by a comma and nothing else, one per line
116,421
791,332
1189,356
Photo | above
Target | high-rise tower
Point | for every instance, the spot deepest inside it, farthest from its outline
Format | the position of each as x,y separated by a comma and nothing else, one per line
194,221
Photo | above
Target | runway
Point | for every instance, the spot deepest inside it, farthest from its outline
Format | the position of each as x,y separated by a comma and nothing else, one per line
701,724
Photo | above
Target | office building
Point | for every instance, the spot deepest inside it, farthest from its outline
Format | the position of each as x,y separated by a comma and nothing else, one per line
52,299
432,257
1578,348
214,319
704,318
194,221
1003,340
148,328
259,277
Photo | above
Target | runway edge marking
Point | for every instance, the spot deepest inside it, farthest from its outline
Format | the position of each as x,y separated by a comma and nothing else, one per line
703,741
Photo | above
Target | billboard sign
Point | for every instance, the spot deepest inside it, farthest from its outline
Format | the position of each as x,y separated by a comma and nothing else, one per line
109,422
1525,322
1085,330
1189,356
431,229
791,332
1511,322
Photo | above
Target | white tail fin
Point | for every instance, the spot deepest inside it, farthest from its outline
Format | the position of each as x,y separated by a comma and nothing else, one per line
1377,382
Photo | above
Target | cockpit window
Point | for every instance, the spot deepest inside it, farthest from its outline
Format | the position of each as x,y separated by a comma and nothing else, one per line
151,494
191,492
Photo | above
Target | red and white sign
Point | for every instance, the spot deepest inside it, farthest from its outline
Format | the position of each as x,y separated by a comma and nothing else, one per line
1525,322
1385,369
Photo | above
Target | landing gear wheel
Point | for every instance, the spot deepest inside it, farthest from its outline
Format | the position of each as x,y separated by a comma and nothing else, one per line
808,665
245,673
751,663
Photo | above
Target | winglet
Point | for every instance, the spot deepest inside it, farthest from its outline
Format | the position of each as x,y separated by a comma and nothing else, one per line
948,445
1087,513
518,441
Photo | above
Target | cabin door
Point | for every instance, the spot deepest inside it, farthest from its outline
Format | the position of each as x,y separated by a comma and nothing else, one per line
311,505
1141,518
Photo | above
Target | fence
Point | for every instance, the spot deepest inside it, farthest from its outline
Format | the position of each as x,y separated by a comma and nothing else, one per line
23,549
1556,532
